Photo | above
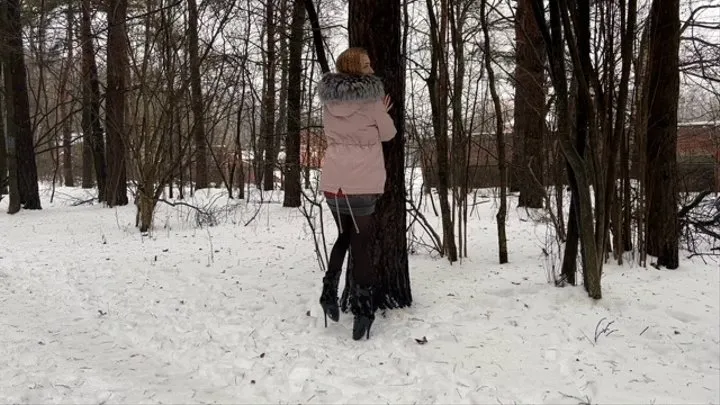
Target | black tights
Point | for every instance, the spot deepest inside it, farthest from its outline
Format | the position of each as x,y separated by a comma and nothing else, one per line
358,240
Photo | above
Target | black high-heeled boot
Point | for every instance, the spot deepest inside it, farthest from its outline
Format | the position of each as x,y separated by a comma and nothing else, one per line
328,297
363,308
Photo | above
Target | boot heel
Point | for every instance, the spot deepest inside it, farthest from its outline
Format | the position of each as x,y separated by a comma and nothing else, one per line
361,327
328,297
363,308
331,310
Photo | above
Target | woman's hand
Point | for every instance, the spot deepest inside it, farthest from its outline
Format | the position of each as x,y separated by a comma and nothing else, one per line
388,103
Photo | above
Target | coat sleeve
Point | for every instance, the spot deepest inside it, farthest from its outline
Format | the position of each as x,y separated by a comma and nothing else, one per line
385,124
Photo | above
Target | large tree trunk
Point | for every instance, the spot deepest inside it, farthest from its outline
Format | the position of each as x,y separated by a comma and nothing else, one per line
12,177
292,142
27,178
116,186
198,127
4,180
268,127
664,84
529,111
93,137
367,19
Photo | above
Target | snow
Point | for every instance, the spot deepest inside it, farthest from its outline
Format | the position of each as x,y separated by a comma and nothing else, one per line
94,312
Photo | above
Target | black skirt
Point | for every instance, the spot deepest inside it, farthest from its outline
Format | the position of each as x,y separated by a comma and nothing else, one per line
359,205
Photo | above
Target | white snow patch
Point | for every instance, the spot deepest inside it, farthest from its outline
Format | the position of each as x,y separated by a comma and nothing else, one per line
93,311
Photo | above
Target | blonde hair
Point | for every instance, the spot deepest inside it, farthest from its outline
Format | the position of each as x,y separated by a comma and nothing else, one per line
350,62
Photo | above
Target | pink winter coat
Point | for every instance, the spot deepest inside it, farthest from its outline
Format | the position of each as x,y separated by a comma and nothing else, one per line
355,124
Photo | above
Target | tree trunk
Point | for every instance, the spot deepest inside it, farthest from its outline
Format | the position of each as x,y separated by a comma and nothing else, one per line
367,19
575,229
620,133
281,122
662,224
578,124
317,36
268,128
67,152
553,39
146,208
93,137
169,136
66,103
27,178
459,152
117,64
438,85
292,143
500,138
238,148
198,127
12,177
4,180
529,109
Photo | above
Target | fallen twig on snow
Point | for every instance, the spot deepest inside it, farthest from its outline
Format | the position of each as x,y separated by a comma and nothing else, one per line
605,330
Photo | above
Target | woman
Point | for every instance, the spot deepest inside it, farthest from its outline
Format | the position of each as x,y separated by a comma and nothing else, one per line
356,121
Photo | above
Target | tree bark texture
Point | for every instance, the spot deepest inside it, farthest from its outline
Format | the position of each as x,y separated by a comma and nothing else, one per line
93,135
664,85
27,178
292,143
375,26
529,114
268,105
198,126
4,179
117,65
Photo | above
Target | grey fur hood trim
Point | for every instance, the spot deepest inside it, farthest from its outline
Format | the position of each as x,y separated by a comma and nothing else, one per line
344,87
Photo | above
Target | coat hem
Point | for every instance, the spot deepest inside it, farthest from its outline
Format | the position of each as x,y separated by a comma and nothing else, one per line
351,190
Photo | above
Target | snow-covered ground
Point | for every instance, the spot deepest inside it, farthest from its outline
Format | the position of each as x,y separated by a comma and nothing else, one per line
91,311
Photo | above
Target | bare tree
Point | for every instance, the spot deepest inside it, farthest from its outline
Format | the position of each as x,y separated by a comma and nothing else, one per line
366,19
19,130
115,104
500,137
581,206
438,82
199,136
4,180
664,82
293,188
93,135
529,113
268,106
66,102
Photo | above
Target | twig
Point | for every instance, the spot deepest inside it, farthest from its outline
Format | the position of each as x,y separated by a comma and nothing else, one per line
426,225
309,217
605,330
183,204
585,401
257,212
82,202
